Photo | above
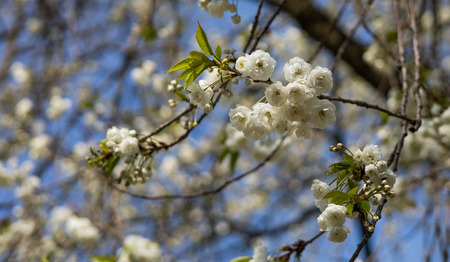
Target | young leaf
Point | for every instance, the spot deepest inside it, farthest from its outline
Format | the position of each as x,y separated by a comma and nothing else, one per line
349,207
218,52
202,40
233,160
352,184
342,175
353,191
364,205
103,259
199,56
241,259
224,153
349,158
183,64
336,193
338,167
339,199
181,95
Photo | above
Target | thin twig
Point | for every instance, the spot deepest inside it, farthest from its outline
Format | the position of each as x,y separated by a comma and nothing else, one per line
416,84
258,38
255,24
367,234
203,193
366,105
350,36
328,33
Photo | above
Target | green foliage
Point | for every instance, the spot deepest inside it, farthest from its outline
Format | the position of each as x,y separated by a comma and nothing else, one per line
202,40
103,158
241,259
148,32
197,62
103,259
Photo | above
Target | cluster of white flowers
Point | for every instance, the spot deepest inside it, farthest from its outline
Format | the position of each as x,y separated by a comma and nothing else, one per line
375,168
236,140
58,106
431,141
332,221
139,249
259,65
23,108
81,230
21,74
78,229
218,8
293,107
40,146
260,254
201,94
122,142
142,75
319,190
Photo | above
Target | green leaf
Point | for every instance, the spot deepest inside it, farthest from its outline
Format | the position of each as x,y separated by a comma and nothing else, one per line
349,158
112,163
339,199
233,160
103,259
349,207
342,175
148,32
199,56
352,184
218,52
202,40
44,259
102,144
338,167
353,191
241,259
183,64
185,74
181,95
224,153
335,194
364,205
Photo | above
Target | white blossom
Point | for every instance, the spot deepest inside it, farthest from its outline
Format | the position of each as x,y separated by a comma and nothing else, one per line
139,249
321,79
322,113
58,106
296,69
334,215
259,65
260,254
371,154
319,189
276,94
358,156
338,234
239,116
81,229
371,170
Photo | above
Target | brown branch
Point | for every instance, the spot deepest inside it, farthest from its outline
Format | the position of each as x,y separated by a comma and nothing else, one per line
328,33
258,38
345,44
367,234
316,23
416,52
255,24
203,193
366,105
